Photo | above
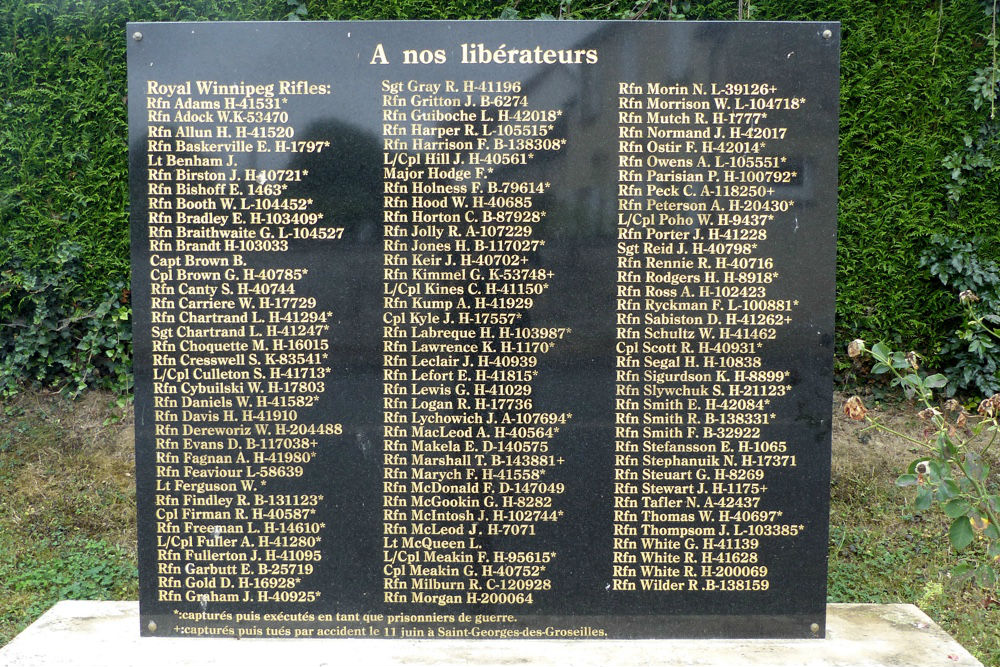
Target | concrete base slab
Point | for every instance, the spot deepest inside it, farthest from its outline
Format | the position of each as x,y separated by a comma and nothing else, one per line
106,634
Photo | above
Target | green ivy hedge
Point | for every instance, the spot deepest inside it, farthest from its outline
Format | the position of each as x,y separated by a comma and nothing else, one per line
904,108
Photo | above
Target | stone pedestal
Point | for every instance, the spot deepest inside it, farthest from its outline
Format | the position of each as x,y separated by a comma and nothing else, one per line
106,634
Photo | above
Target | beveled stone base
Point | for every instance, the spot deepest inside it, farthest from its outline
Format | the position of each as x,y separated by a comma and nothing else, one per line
78,633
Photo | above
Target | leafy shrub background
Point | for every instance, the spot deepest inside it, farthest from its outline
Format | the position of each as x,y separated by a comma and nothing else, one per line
55,334
972,350
905,108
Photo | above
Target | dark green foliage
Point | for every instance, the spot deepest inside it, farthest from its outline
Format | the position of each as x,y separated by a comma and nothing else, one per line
64,177
906,107
903,109
63,128
54,333
980,153
971,355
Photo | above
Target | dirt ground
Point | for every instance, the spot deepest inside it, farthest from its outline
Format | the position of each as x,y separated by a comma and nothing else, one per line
856,446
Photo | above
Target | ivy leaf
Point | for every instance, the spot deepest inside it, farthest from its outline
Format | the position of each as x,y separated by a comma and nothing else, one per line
935,381
961,572
992,532
899,360
957,508
960,533
976,469
923,500
906,480
947,491
938,470
986,577
881,352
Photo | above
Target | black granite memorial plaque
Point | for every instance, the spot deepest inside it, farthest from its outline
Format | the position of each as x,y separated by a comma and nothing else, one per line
492,329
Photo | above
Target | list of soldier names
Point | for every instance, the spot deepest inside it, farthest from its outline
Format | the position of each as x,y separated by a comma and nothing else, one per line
471,460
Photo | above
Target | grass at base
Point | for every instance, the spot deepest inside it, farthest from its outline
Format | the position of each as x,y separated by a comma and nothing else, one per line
67,521
881,554
882,551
